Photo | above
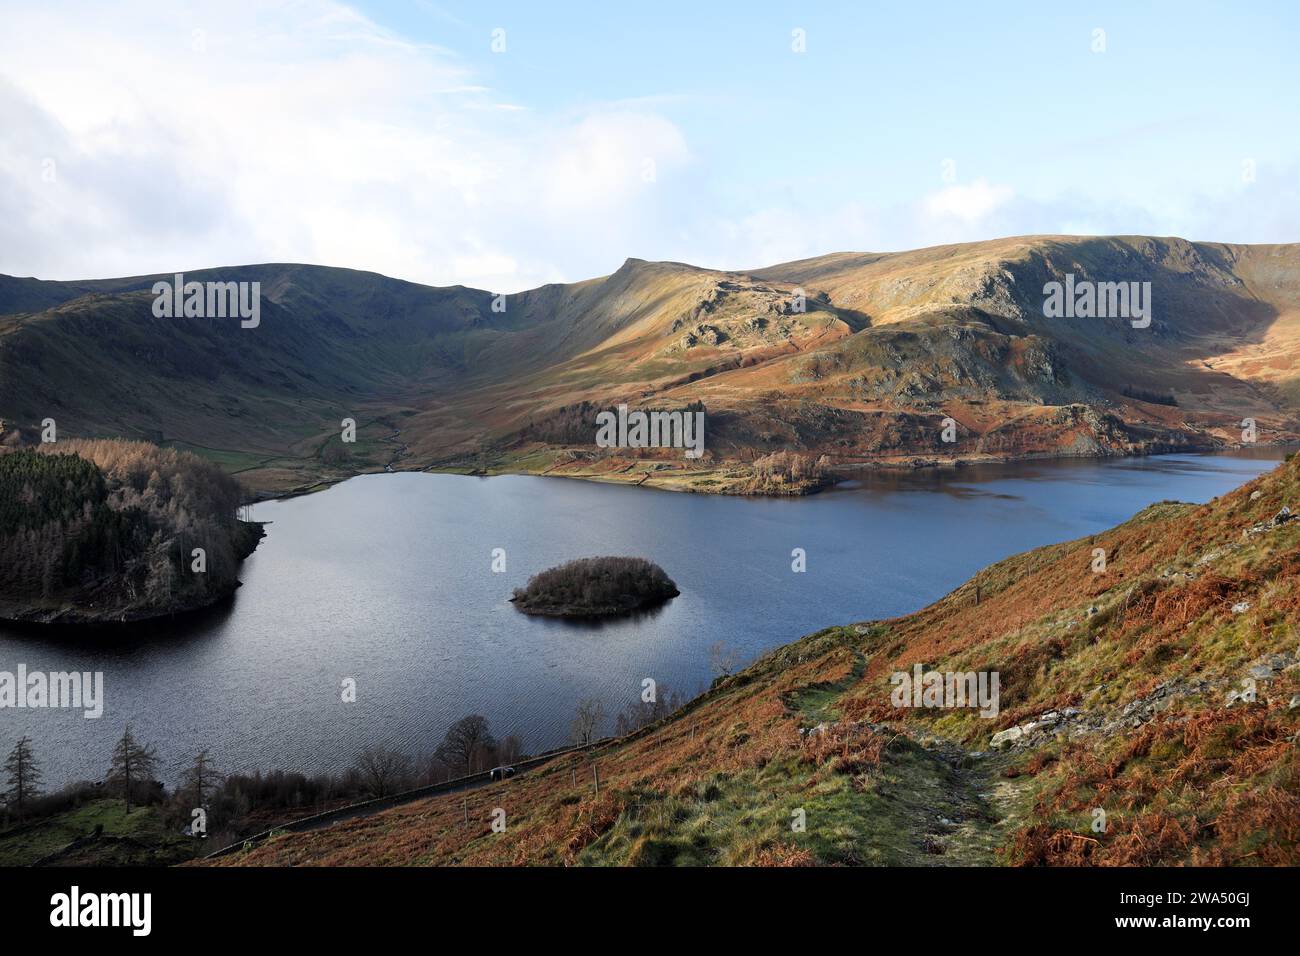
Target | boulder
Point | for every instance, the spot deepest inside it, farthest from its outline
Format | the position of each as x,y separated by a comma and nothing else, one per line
1005,738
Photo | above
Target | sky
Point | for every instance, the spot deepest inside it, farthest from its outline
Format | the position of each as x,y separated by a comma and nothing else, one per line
506,145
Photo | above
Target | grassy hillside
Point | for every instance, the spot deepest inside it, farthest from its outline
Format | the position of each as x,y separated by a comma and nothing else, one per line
1121,692
860,357
96,833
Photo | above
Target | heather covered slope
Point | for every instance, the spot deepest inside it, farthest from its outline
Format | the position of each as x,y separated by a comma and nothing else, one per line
857,356
1122,690
889,346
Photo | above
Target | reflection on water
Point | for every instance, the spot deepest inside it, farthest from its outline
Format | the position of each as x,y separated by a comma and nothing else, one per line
387,579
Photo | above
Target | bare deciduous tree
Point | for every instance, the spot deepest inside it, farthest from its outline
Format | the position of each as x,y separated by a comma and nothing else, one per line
201,780
724,659
643,713
383,771
467,744
587,721
511,749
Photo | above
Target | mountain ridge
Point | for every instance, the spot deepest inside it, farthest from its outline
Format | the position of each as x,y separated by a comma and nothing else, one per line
854,358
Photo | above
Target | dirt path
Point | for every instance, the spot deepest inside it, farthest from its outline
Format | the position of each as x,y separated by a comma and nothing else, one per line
996,804
944,805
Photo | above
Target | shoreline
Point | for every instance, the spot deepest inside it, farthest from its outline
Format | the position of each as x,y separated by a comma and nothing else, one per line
52,619
840,473
76,620
96,629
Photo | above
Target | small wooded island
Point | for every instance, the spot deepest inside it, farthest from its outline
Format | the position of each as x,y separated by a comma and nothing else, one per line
596,587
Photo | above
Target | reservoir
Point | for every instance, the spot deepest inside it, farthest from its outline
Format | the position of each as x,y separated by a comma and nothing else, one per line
388,580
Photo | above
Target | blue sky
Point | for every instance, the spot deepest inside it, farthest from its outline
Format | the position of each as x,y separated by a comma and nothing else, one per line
885,91
391,136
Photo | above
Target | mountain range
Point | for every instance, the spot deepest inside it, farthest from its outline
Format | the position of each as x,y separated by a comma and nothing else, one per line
942,354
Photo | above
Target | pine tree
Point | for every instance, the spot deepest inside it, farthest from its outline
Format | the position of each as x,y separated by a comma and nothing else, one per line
132,762
23,775
200,780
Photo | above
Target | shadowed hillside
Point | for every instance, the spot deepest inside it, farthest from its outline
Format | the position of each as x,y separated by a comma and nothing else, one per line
863,358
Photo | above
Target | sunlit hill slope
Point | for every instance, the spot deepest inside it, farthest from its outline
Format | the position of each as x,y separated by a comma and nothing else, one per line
856,357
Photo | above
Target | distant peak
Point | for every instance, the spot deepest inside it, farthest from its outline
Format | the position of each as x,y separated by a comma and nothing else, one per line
633,264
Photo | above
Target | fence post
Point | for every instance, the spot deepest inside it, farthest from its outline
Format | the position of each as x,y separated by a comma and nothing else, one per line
595,772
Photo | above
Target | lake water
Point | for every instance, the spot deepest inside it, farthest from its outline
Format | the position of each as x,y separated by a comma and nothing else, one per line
387,579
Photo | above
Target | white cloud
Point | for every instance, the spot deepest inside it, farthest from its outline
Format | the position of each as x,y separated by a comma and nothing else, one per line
301,132
606,159
228,132
488,270
968,203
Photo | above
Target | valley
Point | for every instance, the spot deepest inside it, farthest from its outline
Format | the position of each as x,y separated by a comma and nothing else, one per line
844,361
932,366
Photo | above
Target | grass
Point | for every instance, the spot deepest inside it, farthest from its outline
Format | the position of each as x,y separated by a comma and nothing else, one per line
230,460
138,838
